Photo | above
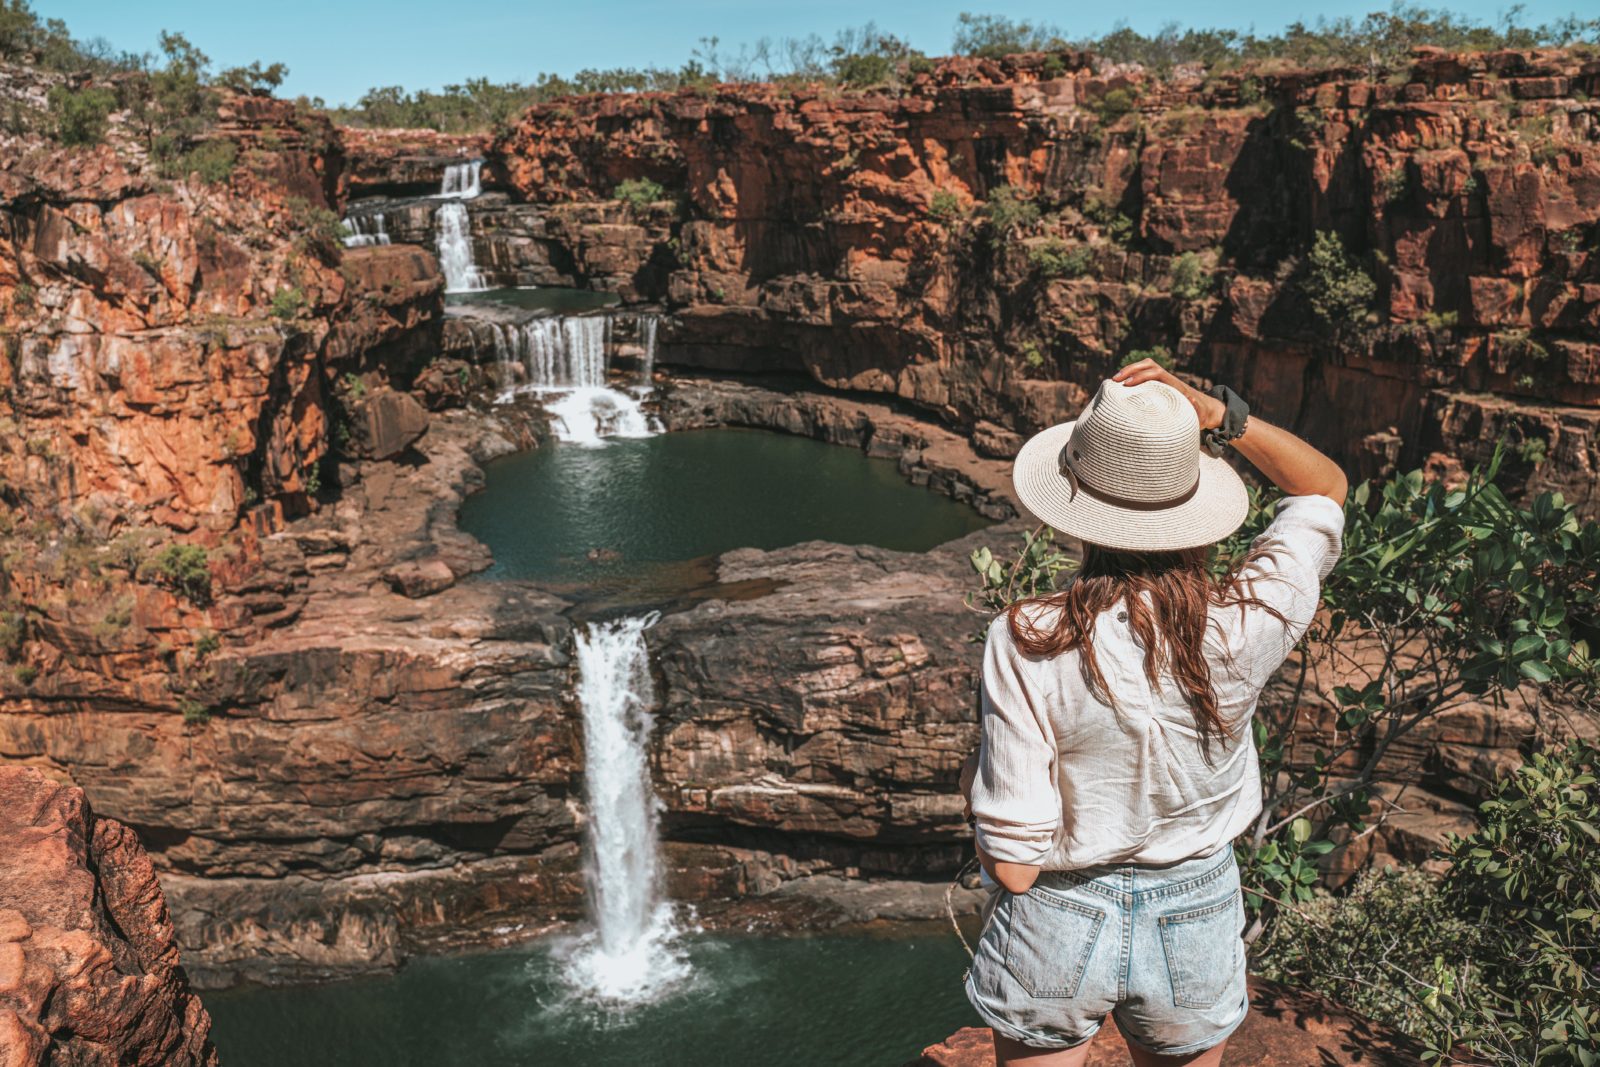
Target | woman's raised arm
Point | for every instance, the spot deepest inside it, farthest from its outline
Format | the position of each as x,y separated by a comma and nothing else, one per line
1289,462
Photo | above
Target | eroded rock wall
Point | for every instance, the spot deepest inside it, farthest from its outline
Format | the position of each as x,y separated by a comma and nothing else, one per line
89,970
829,232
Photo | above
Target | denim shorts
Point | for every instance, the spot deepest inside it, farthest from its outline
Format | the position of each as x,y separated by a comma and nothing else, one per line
1159,948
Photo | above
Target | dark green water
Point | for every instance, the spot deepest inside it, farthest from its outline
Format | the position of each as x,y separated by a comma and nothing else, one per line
852,1001
554,300
636,513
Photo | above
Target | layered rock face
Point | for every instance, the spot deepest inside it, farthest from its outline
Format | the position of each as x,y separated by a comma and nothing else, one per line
89,968
827,232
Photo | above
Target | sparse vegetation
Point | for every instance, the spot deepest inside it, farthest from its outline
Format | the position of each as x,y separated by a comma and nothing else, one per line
210,161
81,116
945,207
183,568
1160,353
1339,290
639,193
1055,258
288,303
1191,280
1006,211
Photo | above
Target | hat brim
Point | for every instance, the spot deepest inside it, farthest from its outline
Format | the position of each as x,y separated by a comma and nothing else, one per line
1217,508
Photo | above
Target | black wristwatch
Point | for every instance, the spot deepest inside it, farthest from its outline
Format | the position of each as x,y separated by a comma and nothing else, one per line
1236,413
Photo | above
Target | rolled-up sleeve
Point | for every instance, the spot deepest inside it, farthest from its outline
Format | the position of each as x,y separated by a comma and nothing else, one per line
1285,568
1015,797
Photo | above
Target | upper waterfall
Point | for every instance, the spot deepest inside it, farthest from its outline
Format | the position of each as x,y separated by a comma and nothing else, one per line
454,242
462,180
364,230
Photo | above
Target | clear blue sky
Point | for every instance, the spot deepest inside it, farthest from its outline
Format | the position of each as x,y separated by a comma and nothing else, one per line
337,49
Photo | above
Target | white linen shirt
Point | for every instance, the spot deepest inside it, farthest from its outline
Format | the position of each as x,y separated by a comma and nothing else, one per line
1065,781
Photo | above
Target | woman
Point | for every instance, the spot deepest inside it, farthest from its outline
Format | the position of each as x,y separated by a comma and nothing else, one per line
1117,764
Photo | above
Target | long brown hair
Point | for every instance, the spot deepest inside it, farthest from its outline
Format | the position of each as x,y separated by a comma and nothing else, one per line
1167,597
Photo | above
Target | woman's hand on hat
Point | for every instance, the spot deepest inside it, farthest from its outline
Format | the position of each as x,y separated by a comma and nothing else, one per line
1208,409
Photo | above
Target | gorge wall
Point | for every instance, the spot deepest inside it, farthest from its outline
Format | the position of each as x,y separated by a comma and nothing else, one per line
830,232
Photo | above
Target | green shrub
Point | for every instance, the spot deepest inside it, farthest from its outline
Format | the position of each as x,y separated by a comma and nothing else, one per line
1395,184
638,194
945,207
1529,878
81,116
193,711
1006,211
1160,353
26,673
1057,259
1190,278
1442,320
1374,947
186,569
317,229
1533,451
1115,104
1118,226
1518,345
206,643
13,629
1249,92
1054,67
1339,291
1032,358
254,78
210,161
287,303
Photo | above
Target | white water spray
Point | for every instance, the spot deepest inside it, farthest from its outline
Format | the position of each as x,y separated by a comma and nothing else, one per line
629,957
570,355
462,180
365,230
455,249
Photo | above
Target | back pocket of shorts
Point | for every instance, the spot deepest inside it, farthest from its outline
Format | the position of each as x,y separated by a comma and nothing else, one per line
1202,948
1050,942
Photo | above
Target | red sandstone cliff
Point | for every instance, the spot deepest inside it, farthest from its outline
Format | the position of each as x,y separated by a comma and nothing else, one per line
804,237
89,968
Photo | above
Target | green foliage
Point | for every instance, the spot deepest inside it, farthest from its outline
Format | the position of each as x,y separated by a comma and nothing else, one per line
210,161
1376,947
1249,92
1160,353
1006,211
1191,280
1529,878
287,303
26,673
1033,571
206,643
1396,184
81,115
254,78
193,711
1118,226
13,630
1054,67
1115,104
1339,290
317,230
1032,357
186,569
945,207
992,36
1055,258
1518,345
639,193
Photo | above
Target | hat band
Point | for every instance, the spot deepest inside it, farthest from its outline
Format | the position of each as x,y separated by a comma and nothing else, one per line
1127,503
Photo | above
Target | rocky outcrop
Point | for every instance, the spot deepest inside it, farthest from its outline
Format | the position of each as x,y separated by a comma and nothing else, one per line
405,162
1285,1028
833,234
89,969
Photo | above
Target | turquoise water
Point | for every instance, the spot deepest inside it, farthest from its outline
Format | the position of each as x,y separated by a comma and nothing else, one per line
819,1001
638,512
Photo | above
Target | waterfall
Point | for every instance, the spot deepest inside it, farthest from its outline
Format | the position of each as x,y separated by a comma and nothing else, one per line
455,249
570,355
364,230
647,341
462,180
629,956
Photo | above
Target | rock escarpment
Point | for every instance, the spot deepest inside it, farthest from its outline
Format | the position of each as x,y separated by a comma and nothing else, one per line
89,969
832,233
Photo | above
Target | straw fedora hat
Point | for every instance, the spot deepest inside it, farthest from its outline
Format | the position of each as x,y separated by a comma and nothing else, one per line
1129,474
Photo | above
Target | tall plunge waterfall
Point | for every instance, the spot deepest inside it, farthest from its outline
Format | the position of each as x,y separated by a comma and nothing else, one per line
462,181
567,356
629,957
454,242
